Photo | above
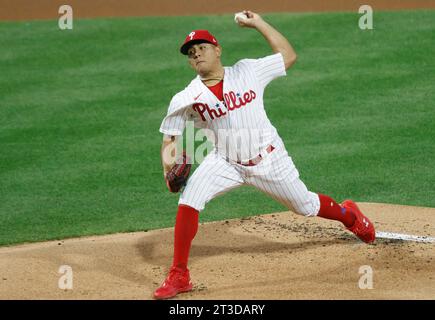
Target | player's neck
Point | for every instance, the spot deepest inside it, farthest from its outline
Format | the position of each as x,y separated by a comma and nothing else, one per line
213,77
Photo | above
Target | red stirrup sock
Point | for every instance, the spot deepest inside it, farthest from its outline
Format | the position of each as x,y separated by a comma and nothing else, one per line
330,209
186,226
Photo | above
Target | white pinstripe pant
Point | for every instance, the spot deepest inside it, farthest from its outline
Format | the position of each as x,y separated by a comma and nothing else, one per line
276,175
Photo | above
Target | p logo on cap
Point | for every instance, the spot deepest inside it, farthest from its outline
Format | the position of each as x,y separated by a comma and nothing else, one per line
197,36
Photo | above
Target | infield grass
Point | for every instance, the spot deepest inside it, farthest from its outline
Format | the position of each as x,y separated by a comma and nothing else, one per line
80,112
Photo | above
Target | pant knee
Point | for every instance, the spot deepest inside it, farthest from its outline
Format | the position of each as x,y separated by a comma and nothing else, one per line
305,211
310,207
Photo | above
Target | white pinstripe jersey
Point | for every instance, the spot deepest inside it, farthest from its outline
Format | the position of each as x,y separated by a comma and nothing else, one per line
239,123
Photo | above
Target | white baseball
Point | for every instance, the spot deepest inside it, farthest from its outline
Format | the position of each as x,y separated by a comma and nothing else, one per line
239,16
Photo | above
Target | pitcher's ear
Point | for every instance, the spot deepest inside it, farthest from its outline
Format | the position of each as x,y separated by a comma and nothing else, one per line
219,50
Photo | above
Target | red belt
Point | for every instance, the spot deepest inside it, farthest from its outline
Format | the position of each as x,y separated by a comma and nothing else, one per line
257,159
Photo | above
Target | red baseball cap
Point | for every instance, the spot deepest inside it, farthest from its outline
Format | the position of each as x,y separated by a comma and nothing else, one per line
197,36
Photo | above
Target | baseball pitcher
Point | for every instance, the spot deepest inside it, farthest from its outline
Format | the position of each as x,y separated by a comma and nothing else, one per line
248,150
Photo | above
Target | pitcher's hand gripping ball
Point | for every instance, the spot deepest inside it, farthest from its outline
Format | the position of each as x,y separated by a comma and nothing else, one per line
176,178
240,17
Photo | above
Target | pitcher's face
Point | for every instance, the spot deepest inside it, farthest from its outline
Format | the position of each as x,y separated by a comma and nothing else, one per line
204,57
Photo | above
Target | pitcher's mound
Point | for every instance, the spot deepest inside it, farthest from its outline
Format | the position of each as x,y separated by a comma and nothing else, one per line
274,256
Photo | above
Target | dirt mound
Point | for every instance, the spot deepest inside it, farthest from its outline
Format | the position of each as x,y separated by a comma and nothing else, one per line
274,256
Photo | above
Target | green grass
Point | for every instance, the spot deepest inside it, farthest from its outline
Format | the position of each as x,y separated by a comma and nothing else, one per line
80,112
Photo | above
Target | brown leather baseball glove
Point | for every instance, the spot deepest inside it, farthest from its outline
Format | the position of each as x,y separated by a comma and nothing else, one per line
176,178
